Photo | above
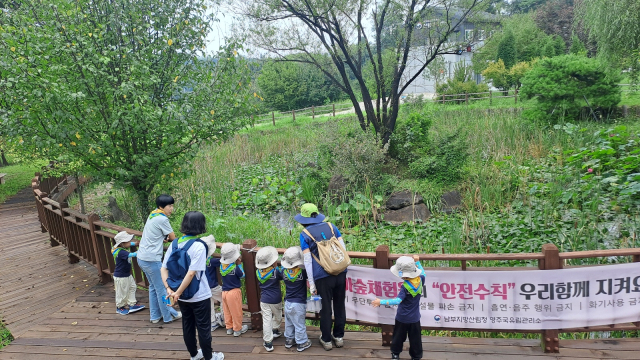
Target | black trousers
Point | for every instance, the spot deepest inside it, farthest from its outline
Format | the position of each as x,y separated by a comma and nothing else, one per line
197,315
400,332
332,291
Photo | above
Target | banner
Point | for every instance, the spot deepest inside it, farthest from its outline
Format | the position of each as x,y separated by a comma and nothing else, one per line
519,299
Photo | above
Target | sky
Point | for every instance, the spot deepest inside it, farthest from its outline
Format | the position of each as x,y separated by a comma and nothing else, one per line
221,29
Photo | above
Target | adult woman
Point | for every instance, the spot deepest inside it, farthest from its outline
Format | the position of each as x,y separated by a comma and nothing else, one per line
331,288
156,231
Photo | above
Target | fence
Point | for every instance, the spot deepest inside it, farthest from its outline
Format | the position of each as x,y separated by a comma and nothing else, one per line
86,237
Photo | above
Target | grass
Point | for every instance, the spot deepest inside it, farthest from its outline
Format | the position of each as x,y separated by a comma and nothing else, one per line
5,336
18,177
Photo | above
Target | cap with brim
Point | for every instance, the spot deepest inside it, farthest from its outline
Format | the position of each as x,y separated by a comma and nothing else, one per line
122,237
405,267
229,253
309,214
266,257
211,244
292,257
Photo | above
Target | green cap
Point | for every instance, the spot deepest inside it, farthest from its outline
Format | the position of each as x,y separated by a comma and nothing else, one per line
307,209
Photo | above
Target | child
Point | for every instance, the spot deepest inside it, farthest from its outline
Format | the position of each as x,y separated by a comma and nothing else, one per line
124,282
232,271
269,278
213,266
295,300
408,301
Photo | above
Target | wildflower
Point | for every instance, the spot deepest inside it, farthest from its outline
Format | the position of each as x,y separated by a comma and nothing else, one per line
589,170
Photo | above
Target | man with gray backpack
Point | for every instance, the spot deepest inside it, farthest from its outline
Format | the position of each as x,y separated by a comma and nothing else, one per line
326,261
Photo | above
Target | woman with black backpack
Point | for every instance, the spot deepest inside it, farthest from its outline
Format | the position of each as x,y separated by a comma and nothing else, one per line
183,275
326,261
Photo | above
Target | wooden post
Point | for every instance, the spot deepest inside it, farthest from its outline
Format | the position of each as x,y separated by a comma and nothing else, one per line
104,277
490,97
382,262
66,232
273,118
251,283
516,96
549,338
334,110
293,112
253,124
625,111
466,98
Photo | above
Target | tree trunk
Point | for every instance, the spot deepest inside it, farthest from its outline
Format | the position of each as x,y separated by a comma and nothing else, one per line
3,160
143,202
80,191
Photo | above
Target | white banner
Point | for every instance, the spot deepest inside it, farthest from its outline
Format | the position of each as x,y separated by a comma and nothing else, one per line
519,299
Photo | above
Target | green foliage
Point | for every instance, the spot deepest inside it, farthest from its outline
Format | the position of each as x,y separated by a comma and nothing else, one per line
577,46
122,86
5,335
498,74
389,67
555,46
460,84
444,161
289,85
411,137
18,177
561,84
507,50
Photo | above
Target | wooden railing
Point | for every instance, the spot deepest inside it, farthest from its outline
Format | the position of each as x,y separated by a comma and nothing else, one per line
86,237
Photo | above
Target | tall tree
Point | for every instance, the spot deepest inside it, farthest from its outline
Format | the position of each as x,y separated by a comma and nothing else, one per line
122,85
507,50
341,30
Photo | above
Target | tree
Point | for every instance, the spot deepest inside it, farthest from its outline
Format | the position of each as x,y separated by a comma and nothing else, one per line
555,17
577,46
562,85
340,29
507,50
122,86
524,6
498,74
436,71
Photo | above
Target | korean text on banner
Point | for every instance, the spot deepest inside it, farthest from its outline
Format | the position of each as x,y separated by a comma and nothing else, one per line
505,300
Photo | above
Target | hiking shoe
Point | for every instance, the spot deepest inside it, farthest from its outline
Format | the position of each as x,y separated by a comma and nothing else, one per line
214,326
242,331
198,356
220,318
276,333
268,346
288,343
217,356
122,311
305,346
136,307
229,331
174,318
395,356
326,345
155,321
338,342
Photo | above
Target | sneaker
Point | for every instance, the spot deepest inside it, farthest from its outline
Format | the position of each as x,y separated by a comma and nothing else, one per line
174,318
395,356
243,330
268,346
220,318
326,345
198,356
122,311
338,342
229,331
276,333
214,326
288,343
136,307
305,346
155,321
217,356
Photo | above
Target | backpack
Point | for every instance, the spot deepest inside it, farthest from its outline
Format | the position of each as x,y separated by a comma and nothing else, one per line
333,257
178,266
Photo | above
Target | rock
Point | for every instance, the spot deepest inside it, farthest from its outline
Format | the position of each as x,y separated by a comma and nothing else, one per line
451,201
283,220
118,215
402,199
337,186
407,214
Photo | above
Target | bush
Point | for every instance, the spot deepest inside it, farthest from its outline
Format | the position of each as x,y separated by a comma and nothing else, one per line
410,137
444,162
561,84
459,85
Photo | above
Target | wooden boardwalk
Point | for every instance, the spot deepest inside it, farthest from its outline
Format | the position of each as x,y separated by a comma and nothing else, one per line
58,311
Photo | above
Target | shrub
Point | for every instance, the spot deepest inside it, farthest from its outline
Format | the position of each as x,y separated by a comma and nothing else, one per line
445,160
507,49
459,85
410,137
562,83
